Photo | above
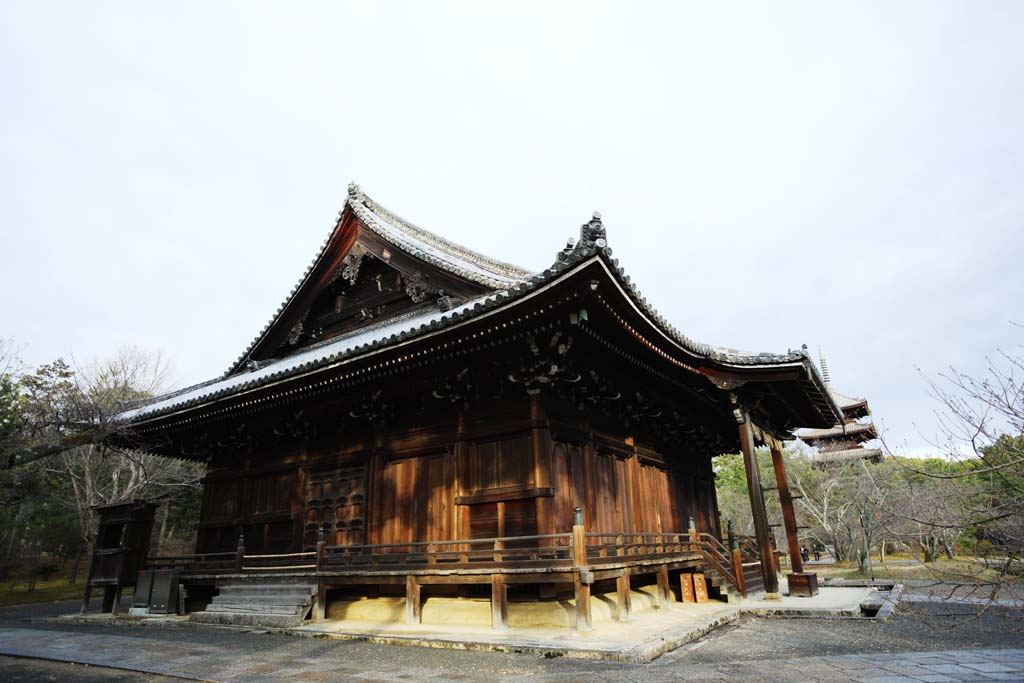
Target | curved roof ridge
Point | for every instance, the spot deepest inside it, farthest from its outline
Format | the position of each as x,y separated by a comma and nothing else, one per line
356,196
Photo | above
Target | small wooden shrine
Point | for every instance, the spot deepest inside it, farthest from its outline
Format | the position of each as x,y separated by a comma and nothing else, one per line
417,418
843,442
120,550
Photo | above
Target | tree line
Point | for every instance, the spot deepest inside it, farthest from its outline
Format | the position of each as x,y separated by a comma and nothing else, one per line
57,464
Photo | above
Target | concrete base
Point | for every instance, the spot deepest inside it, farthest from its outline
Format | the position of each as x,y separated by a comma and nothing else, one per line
804,584
650,634
442,611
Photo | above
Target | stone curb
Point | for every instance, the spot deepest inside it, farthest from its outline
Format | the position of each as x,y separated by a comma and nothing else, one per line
641,653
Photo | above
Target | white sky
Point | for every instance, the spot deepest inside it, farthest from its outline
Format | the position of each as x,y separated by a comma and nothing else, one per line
770,174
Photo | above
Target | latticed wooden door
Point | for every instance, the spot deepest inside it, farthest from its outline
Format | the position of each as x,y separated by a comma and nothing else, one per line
336,501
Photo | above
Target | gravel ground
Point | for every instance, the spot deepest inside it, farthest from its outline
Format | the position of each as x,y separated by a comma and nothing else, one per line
749,645
17,670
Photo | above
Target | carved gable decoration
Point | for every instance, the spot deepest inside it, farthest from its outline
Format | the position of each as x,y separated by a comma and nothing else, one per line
374,267
365,290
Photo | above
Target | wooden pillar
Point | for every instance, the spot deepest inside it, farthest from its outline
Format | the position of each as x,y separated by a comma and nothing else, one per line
761,529
240,553
499,602
583,577
541,446
737,569
664,591
320,602
116,606
624,597
800,582
412,600
108,599
788,514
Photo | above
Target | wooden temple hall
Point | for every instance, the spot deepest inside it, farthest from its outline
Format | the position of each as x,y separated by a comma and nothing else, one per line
419,424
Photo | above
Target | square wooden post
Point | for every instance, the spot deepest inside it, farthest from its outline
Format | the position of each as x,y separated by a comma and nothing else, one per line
737,568
116,606
499,602
800,582
583,577
413,607
320,602
757,508
664,590
623,596
85,599
240,553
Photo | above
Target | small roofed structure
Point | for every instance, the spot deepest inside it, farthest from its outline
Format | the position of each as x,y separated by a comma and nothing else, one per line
843,442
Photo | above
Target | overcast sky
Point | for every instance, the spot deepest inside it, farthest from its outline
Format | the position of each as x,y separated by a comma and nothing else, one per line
770,174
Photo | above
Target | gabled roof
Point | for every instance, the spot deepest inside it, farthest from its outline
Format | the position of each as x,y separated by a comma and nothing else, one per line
419,243
507,286
444,254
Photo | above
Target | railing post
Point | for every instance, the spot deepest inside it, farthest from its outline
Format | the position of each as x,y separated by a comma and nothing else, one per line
498,545
692,530
240,553
582,576
737,563
619,550
321,543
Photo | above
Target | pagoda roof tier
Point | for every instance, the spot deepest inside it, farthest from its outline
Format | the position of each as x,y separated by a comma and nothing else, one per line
848,455
850,431
446,290
853,408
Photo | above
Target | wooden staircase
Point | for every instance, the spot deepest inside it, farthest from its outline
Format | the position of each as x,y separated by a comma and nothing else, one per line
263,603
720,568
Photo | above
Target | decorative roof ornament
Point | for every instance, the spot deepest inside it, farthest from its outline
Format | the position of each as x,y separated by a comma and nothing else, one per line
355,192
824,367
592,234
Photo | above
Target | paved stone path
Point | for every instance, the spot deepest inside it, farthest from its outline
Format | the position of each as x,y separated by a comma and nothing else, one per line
284,659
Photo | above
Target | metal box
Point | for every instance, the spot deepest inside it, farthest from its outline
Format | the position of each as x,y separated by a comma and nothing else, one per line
164,596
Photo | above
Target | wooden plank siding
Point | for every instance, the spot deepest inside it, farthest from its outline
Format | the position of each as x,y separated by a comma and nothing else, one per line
499,471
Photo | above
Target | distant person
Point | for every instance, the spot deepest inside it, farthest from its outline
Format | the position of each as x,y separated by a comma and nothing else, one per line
817,553
804,554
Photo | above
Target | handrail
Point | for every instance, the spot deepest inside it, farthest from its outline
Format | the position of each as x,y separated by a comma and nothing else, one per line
553,551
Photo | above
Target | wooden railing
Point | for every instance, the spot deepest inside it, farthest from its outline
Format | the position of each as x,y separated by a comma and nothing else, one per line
194,564
545,550
279,562
721,559
602,548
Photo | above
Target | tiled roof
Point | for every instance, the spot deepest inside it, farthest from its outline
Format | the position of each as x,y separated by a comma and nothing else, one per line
421,243
852,429
432,248
305,359
848,455
518,283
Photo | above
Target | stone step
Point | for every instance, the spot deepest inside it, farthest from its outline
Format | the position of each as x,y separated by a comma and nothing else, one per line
268,595
248,619
261,600
261,588
241,608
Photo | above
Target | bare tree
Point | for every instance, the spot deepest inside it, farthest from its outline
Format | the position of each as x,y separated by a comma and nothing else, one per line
977,493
